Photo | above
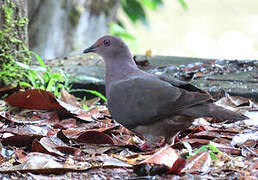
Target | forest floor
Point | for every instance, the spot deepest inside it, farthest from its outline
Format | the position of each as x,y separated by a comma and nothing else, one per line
63,141
47,138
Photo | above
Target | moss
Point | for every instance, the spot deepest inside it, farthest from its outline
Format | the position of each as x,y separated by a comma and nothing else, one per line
12,46
75,14
22,22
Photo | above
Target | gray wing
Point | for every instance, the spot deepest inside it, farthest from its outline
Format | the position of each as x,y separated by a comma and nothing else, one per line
180,84
143,100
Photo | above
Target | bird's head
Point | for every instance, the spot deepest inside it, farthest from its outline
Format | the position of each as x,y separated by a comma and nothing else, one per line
109,47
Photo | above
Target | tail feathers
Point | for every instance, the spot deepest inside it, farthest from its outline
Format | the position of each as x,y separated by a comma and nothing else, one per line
223,114
212,110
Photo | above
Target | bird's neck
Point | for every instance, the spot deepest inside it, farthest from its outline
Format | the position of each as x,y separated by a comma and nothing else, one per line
119,69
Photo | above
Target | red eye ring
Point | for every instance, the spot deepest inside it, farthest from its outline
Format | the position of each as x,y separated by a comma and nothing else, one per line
106,42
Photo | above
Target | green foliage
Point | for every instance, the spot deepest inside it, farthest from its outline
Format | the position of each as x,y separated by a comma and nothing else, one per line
8,12
151,4
41,77
85,107
210,148
118,30
22,21
10,44
98,94
183,4
10,72
135,11
75,14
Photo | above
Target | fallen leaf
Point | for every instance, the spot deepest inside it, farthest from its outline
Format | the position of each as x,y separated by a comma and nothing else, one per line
198,164
34,99
164,160
95,137
40,161
18,140
69,150
8,90
69,98
242,138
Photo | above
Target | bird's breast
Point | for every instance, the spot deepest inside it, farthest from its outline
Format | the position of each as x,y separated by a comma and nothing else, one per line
134,100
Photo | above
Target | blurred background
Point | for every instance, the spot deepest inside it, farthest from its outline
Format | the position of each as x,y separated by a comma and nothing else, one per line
207,29
181,31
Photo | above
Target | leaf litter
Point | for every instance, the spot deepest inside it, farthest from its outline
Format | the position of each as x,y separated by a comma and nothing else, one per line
42,137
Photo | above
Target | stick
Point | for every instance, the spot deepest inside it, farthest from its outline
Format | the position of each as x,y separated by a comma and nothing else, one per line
232,80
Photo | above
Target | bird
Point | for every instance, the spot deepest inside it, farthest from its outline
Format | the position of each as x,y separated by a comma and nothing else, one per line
153,106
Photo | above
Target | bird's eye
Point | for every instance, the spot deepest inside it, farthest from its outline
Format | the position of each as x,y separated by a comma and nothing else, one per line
106,42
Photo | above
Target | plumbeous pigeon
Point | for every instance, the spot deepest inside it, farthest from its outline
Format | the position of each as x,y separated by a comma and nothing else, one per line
154,106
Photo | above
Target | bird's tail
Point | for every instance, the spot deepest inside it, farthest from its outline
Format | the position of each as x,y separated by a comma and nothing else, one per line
215,111
223,114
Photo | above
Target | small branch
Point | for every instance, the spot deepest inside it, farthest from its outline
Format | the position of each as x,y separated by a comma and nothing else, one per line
232,80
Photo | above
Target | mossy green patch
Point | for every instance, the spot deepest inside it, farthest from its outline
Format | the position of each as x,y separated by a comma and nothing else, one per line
22,22
12,47
75,14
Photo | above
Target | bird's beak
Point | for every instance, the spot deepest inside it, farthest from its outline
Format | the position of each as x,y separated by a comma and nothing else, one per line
90,49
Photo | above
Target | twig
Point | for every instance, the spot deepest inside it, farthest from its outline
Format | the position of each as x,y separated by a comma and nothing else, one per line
232,80
250,150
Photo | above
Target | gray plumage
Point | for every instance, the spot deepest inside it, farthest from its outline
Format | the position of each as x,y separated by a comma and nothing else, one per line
154,106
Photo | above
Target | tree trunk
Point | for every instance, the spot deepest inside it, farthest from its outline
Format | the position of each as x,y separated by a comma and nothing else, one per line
13,38
58,28
13,22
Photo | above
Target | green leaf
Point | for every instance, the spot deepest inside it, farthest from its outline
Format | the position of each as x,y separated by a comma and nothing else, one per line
202,148
85,107
151,4
46,76
32,77
25,66
214,149
134,11
57,76
41,77
50,85
210,148
125,36
4,72
183,4
90,91
117,30
39,81
39,59
97,94
38,69
213,156
24,84
58,89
